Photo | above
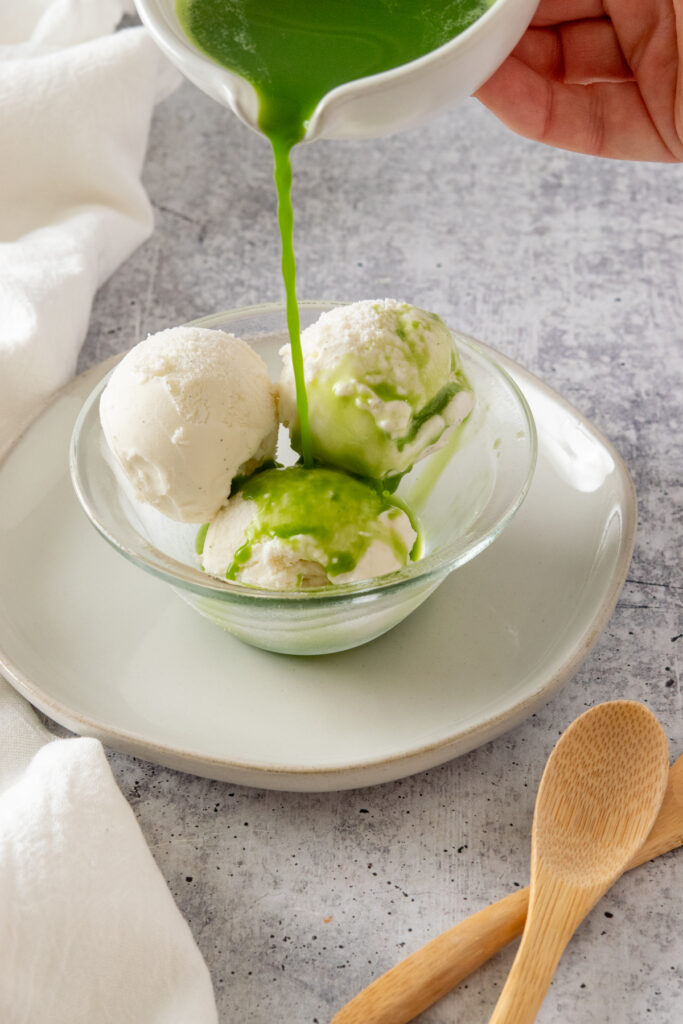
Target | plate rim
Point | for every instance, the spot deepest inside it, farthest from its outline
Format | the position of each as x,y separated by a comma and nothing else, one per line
349,775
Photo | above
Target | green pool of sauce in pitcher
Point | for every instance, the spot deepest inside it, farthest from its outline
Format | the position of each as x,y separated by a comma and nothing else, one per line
293,52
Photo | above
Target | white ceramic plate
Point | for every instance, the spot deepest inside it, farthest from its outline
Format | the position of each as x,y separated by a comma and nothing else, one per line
109,651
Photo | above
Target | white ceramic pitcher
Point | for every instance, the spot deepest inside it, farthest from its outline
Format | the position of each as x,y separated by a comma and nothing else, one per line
367,107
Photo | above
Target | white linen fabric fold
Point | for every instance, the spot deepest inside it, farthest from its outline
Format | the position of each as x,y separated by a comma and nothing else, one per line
89,931
75,106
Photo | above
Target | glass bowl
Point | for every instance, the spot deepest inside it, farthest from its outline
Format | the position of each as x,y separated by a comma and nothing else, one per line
464,496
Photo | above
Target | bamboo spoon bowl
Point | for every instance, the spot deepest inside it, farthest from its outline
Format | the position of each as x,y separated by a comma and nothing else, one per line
599,796
428,974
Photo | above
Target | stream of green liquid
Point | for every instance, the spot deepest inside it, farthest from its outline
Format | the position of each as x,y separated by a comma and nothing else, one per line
293,52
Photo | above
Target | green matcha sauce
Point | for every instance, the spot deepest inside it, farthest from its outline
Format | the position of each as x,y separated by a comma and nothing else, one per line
339,512
293,52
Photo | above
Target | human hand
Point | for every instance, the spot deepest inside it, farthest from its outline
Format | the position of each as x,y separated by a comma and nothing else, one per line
603,77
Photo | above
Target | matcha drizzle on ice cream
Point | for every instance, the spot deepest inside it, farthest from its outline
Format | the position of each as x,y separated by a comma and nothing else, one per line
294,52
384,383
382,380
284,528
386,387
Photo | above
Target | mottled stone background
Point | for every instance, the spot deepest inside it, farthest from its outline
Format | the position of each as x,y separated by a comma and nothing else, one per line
573,267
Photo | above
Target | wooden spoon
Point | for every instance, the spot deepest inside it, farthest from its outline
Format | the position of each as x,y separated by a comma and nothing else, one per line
429,973
598,799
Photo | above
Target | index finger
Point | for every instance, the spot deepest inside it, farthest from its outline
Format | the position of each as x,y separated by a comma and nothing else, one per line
557,12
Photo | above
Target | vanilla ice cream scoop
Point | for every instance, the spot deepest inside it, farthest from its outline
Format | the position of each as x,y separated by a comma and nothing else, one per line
186,411
296,528
385,386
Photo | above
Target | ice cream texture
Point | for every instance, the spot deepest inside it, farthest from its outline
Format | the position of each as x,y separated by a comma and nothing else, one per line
186,411
292,528
385,387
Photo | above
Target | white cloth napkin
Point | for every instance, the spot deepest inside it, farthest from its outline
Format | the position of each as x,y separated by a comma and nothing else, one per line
89,932
75,106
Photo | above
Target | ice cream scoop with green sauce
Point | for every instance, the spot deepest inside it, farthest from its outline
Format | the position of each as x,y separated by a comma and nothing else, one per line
293,52
292,527
385,385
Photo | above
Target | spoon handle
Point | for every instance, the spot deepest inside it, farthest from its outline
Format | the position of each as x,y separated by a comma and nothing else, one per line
428,974
545,937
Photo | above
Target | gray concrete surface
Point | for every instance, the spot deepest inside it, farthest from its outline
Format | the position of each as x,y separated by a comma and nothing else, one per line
573,267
